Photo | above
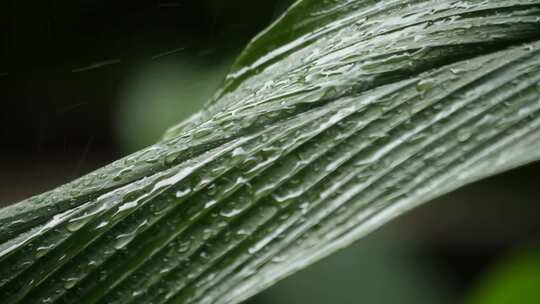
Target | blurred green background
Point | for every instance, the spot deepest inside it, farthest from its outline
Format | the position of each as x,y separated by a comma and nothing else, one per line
85,82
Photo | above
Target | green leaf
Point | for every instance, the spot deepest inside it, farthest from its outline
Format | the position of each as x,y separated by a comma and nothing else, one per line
515,280
339,117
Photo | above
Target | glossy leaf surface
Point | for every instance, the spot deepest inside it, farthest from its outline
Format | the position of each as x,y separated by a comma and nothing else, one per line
339,117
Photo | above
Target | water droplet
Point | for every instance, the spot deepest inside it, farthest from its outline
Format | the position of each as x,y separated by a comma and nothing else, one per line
239,152
102,224
209,204
40,251
242,232
70,282
183,192
304,207
171,158
230,212
76,224
463,135
123,239
184,247
278,259
127,206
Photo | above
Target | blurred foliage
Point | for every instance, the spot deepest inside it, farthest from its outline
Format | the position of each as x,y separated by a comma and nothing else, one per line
514,280
68,67
379,270
163,91
161,94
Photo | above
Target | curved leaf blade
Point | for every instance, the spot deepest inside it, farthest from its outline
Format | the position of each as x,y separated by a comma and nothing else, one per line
320,135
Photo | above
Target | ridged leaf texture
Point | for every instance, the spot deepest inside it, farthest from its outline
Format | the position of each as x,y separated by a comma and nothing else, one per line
340,116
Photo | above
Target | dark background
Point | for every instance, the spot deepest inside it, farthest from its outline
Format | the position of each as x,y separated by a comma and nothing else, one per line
83,83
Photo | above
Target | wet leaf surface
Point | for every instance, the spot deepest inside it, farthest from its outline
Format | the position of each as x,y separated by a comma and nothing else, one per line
339,117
